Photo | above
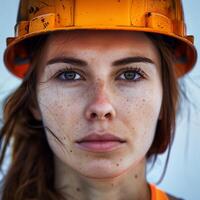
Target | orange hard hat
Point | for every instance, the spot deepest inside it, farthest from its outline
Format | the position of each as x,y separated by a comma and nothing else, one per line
163,17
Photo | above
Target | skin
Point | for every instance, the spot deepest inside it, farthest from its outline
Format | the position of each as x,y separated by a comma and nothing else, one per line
101,99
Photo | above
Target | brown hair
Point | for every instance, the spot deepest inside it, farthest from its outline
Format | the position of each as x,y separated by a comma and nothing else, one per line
31,172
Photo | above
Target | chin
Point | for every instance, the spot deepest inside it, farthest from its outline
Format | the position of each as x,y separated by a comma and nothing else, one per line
102,172
102,175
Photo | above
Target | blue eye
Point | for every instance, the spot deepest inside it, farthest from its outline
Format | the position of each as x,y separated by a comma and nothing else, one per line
68,76
134,74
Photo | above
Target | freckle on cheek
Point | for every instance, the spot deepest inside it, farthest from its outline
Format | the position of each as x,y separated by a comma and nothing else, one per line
136,176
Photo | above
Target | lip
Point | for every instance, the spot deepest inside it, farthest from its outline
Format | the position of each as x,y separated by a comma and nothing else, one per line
95,142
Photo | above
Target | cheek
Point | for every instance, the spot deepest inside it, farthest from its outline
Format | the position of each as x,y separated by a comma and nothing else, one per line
140,103
59,107
139,112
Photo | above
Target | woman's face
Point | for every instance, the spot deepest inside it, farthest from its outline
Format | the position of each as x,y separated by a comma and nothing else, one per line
99,82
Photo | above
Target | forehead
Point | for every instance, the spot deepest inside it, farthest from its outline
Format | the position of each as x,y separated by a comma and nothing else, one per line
100,39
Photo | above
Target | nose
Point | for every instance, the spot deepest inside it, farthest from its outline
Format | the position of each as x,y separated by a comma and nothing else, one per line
100,109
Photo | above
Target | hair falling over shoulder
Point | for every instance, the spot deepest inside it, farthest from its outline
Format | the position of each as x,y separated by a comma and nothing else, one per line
31,172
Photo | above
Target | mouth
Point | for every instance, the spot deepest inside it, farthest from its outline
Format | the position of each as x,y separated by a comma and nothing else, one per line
100,143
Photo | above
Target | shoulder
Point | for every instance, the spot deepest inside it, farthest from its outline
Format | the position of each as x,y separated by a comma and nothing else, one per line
158,194
173,197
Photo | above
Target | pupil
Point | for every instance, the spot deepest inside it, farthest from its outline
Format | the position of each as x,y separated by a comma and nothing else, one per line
129,75
69,75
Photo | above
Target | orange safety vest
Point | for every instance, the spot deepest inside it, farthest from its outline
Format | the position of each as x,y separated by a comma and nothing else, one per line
157,194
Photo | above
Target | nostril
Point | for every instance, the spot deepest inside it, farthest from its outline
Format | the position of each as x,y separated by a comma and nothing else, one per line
108,115
100,112
93,115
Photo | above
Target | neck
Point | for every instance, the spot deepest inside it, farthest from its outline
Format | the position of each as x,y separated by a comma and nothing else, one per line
130,185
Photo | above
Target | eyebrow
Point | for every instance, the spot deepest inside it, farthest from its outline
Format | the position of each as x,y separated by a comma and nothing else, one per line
82,63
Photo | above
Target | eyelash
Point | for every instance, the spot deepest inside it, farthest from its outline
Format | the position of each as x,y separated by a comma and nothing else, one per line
136,70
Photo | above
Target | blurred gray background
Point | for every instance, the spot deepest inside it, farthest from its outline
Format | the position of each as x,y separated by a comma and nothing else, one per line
182,177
